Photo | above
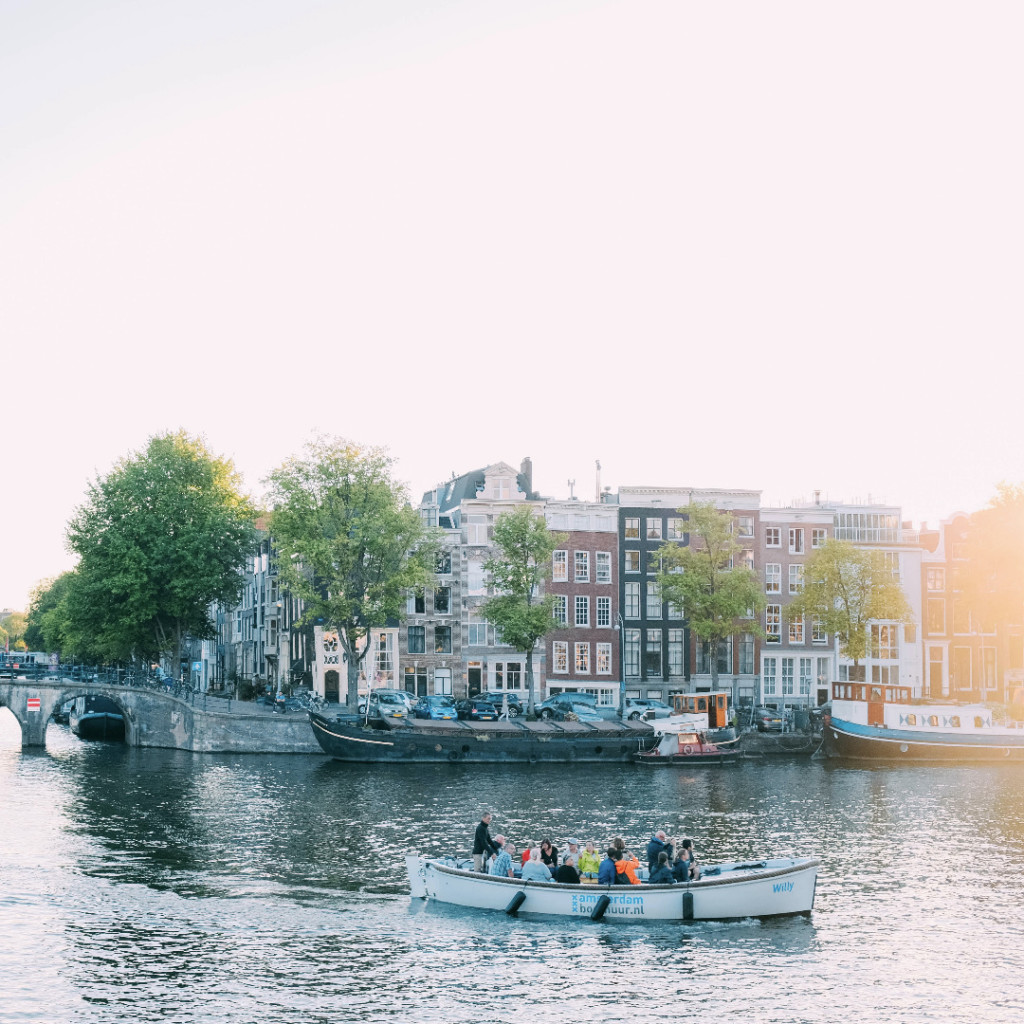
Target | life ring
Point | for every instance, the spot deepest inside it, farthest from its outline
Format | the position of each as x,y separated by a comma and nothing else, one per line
687,749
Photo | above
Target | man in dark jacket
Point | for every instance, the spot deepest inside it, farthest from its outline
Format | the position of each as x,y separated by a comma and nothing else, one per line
659,843
483,845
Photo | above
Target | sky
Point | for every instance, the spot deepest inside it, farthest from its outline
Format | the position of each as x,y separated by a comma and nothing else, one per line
771,246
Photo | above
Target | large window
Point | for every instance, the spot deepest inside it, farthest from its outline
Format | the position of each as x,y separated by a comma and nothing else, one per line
417,603
936,615
582,610
603,566
654,529
442,601
796,578
560,609
796,541
477,631
772,537
631,601
769,670
675,652
631,561
796,630
631,650
476,529
442,639
885,643
772,578
444,563
744,526
475,581
652,653
773,623
819,635
582,566
603,612
675,529
604,659
443,680
806,674
936,579
560,657
818,537
631,529
653,601
787,677
559,566
746,665
583,658
417,639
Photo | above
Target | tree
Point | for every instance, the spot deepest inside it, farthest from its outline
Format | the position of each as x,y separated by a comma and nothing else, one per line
717,596
14,626
846,588
348,542
992,575
159,539
47,614
518,572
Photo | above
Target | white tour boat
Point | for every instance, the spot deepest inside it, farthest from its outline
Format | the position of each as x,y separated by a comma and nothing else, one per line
766,888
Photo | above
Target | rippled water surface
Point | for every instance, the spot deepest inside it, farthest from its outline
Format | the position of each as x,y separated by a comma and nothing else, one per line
140,885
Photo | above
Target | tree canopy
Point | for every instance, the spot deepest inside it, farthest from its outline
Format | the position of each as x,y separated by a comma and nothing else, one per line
159,538
846,588
14,627
348,542
718,597
992,575
518,569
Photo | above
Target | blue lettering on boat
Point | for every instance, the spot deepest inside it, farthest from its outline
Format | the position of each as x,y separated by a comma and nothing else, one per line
782,887
583,903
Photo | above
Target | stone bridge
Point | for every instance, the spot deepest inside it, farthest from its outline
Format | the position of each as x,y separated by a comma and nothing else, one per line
156,718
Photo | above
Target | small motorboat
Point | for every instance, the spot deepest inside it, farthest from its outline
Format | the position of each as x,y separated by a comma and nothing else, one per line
683,743
765,888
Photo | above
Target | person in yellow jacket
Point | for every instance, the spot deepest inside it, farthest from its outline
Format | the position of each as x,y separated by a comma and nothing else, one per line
589,862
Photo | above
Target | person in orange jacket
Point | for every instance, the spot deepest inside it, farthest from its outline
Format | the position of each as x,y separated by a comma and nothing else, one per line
627,865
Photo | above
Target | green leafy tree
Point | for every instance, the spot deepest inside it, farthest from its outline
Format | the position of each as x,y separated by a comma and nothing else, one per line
847,588
159,539
518,569
14,626
348,542
718,597
991,577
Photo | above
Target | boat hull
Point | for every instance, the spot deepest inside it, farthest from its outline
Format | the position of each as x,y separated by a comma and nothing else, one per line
852,741
485,743
95,717
769,888
718,757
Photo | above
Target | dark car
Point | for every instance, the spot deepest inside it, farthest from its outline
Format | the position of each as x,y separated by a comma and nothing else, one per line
767,720
477,710
498,697
438,707
565,701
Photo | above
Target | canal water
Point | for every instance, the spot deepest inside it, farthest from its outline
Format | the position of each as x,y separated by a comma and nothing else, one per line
147,885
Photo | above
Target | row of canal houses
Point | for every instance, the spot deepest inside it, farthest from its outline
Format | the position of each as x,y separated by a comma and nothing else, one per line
613,626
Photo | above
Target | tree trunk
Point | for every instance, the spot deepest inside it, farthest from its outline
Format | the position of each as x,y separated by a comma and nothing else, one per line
352,660
530,702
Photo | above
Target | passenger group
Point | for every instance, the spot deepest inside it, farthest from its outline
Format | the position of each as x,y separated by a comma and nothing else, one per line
668,862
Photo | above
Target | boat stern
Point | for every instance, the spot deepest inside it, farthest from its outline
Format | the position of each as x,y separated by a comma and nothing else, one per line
416,867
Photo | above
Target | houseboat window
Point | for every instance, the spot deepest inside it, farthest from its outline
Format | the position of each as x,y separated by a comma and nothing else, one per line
876,693
702,704
911,719
954,721
978,722
933,719
888,695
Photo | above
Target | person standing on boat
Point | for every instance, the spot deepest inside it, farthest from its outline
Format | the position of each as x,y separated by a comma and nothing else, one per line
659,844
483,845
502,865
535,870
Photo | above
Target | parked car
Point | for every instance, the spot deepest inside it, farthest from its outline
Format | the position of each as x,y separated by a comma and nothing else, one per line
497,698
438,707
767,720
561,701
477,710
578,712
637,708
387,703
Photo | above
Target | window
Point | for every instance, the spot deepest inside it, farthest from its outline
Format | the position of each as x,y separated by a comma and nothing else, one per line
476,529
772,537
560,657
560,609
508,675
442,639
818,537
796,578
819,635
746,665
444,563
654,529
416,681
796,630
773,623
475,582
885,644
632,561
796,541
769,668
675,529
652,653
772,578
443,601
583,658
582,610
653,601
631,650
787,677
675,652
417,603
582,565
603,612
936,579
603,566
988,668
442,680
961,617
936,615
892,563
477,631
559,566
744,526
632,529
604,659
417,639
631,601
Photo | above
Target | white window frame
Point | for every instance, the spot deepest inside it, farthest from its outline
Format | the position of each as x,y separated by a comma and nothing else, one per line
653,528
796,630
818,536
581,603
796,577
603,659
560,657
560,566
773,616
769,675
675,528
581,566
773,536
603,613
602,566
581,658
560,609
796,540
653,601
631,555
773,577
744,526
631,601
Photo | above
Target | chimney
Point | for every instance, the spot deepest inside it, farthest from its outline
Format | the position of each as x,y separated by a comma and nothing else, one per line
526,470
817,497
597,491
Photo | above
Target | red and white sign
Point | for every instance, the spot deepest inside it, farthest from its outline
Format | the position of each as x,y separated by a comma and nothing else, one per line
33,703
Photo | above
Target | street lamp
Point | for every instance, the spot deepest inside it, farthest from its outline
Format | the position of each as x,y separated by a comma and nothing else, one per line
622,665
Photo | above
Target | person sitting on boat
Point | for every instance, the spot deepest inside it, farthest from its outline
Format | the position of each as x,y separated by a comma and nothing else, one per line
626,866
659,844
501,863
606,873
686,866
483,845
549,854
535,870
589,862
567,872
572,851
662,873
527,850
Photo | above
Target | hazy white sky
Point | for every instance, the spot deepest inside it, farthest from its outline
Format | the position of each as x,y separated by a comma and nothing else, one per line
772,245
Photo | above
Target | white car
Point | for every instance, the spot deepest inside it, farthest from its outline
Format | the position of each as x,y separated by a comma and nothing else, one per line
387,704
